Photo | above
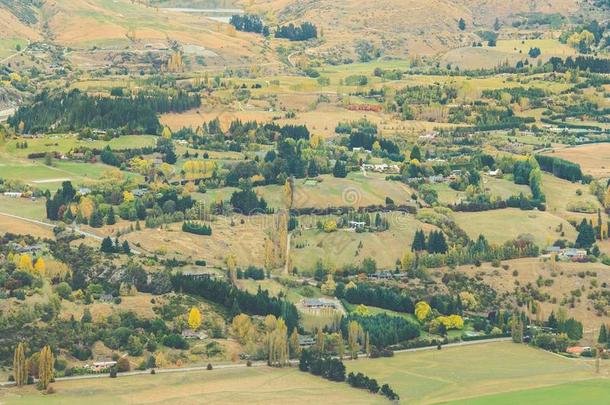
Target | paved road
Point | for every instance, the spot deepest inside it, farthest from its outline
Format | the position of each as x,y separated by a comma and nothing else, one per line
254,364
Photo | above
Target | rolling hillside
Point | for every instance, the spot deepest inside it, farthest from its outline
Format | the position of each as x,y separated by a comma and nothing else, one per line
423,27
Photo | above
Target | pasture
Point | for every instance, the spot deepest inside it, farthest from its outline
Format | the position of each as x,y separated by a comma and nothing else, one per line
581,392
256,385
229,236
594,158
356,190
563,194
345,247
502,225
23,207
65,143
8,46
503,188
433,376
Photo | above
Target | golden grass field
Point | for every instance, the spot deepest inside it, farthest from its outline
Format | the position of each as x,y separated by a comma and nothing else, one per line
345,247
594,159
499,226
356,190
245,241
257,385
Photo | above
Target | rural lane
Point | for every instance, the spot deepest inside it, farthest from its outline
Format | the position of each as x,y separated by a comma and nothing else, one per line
254,364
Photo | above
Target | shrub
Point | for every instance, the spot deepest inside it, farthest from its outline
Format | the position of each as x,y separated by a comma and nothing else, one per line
209,367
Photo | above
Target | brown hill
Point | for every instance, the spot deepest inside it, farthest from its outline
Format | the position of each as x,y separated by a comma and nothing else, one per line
419,26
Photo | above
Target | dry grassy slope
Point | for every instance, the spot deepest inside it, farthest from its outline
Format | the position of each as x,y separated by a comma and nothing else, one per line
81,24
401,24
11,27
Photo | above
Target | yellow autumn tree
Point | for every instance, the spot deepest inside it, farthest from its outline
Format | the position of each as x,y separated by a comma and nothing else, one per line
20,372
45,367
167,133
86,207
25,263
194,318
40,266
128,196
422,310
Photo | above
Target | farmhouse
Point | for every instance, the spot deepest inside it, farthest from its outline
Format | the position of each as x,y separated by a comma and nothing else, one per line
381,275
191,334
357,225
318,303
306,341
12,194
573,254
100,366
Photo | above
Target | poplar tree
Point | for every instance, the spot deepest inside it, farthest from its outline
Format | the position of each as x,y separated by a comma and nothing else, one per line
20,371
45,367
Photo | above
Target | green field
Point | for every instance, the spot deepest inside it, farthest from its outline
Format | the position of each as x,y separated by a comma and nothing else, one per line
499,226
51,177
434,376
8,46
504,188
582,392
23,207
66,143
260,385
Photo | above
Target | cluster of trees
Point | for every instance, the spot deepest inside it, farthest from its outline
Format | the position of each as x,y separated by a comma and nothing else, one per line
108,247
584,63
383,329
60,199
534,95
251,272
293,32
322,365
360,380
475,251
379,296
40,365
236,300
247,202
74,111
249,23
434,243
197,228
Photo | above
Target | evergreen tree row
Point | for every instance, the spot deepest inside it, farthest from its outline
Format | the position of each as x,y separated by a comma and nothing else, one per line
435,243
74,111
249,23
293,32
197,228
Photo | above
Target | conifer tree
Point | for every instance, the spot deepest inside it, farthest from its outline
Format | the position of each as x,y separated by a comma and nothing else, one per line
603,334
419,241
